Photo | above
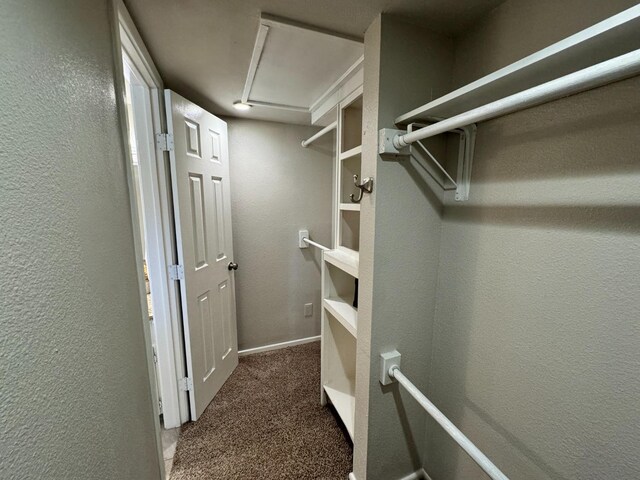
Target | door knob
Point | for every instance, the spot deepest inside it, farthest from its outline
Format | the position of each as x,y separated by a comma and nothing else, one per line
232,266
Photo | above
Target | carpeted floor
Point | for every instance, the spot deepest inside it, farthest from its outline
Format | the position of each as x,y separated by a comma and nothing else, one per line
267,423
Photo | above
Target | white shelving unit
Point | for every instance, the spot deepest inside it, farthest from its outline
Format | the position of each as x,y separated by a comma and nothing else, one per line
340,270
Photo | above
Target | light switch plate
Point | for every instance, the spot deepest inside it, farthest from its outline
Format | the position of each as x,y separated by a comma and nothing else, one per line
308,309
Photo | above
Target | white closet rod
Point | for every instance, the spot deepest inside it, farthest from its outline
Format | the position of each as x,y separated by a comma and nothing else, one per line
325,130
311,242
612,70
467,445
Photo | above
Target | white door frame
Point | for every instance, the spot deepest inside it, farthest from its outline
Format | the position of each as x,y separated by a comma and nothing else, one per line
155,182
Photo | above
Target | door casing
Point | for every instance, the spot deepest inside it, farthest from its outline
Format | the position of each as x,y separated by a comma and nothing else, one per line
156,186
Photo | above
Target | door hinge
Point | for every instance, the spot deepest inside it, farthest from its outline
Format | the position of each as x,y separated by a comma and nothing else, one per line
164,141
155,355
176,272
160,405
185,384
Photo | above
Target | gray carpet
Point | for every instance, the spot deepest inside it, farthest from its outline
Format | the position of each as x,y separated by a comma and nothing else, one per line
267,423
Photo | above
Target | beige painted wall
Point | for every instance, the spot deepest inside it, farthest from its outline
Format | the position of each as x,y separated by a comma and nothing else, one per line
278,187
400,232
536,346
75,400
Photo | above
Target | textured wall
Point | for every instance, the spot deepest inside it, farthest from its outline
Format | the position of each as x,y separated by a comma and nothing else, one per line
537,341
404,66
75,401
277,187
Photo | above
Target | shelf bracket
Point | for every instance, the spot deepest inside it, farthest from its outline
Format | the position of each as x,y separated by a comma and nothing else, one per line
466,147
465,160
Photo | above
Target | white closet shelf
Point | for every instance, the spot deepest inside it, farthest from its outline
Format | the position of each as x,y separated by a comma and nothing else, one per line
344,313
345,259
612,37
351,153
350,207
345,405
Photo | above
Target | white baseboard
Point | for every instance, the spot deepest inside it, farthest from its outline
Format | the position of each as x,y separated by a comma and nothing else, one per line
417,475
278,346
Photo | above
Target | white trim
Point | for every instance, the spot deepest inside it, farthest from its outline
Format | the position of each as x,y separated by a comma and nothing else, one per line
286,23
132,43
167,324
278,346
417,475
116,7
321,112
261,38
344,78
279,106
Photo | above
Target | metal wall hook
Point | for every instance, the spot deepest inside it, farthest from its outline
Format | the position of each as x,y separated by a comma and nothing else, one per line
365,187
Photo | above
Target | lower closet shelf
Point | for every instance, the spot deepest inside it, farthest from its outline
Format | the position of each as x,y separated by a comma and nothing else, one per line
345,405
344,313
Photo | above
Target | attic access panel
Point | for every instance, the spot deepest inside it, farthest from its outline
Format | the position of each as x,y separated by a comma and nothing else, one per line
293,66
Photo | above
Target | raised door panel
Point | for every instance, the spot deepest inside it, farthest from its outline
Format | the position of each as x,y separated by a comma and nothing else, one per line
198,221
218,218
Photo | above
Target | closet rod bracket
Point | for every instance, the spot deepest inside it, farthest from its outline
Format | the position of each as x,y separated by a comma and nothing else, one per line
386,145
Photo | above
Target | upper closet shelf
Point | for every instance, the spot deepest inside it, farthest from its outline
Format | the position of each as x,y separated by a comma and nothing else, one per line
612,37
345,259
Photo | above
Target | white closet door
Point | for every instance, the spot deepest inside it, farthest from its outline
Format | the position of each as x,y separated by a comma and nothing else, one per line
201,196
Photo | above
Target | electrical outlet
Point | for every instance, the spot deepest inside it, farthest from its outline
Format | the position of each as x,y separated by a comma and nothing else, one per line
308,309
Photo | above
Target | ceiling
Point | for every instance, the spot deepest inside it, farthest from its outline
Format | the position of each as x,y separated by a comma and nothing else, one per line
294,66
203,48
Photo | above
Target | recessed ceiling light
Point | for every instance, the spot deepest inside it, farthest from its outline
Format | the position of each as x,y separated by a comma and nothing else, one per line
241,105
